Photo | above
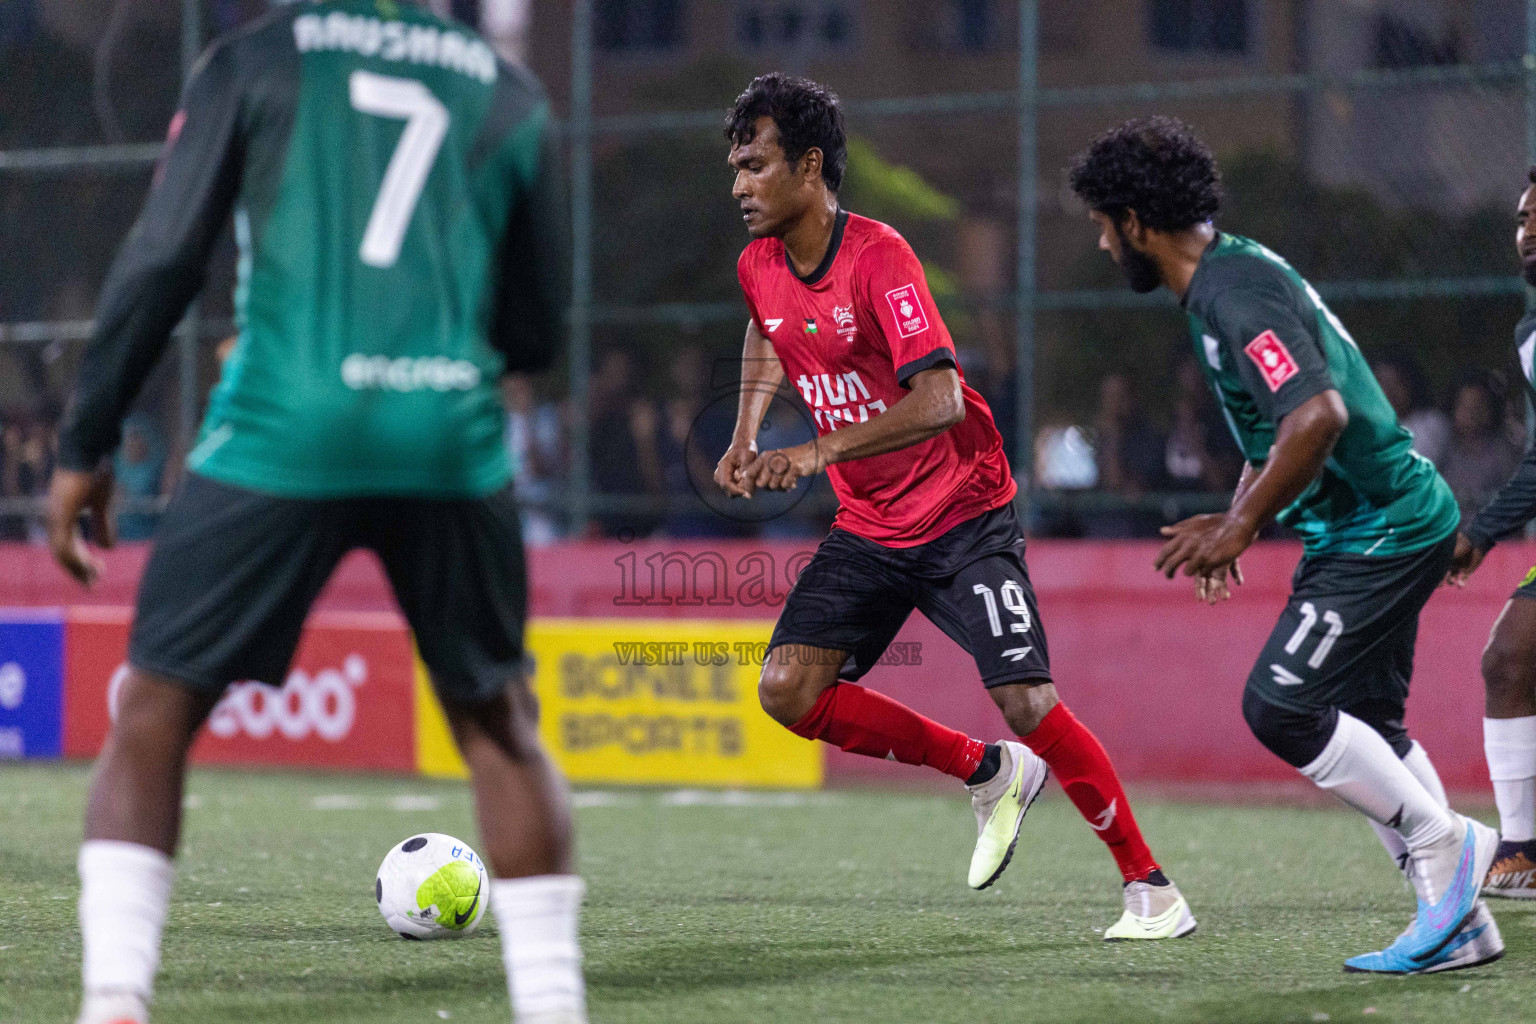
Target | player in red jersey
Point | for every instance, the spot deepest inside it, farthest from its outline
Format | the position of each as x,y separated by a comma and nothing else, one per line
841,309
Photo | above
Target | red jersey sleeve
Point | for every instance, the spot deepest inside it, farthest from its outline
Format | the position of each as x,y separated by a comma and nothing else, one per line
896,292
744,273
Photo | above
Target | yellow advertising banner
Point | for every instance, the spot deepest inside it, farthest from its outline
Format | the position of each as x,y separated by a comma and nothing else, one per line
649,701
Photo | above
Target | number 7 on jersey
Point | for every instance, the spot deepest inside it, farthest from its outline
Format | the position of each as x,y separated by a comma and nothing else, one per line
426,124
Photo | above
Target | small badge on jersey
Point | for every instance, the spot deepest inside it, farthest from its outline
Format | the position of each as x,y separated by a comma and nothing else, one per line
910,318
1273,359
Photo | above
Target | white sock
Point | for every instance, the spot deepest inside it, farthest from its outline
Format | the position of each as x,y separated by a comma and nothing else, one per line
1510,745
1360,768
537,920
125,889
1416,761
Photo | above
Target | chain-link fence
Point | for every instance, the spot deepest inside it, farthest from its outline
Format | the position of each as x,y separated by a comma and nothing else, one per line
1380,147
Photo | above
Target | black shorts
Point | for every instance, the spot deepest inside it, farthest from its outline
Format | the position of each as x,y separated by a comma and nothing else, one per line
233,574
855,595
1346,637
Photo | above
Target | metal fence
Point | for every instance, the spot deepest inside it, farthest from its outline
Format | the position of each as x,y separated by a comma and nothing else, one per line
1384,165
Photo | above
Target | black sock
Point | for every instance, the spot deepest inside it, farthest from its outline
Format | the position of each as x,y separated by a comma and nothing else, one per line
991,763
1154,877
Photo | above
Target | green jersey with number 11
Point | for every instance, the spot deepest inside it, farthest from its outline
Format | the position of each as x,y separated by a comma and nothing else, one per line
1268,344
396,205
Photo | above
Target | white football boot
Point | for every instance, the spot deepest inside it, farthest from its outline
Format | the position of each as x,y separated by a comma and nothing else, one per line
1000,804
1152,912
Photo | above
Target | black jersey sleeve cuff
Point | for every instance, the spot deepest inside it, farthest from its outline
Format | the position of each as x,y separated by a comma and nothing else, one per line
938,357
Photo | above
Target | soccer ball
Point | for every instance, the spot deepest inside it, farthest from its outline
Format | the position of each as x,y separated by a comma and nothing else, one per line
432,886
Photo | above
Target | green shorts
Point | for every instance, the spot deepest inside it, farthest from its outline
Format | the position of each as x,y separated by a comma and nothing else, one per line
233,574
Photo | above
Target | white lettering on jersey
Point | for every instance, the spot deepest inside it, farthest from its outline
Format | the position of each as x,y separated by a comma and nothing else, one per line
839,390
395,41
428,373
773,324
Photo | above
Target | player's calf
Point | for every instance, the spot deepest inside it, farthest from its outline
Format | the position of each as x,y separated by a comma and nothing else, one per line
132,823
862,721
1082,766
520,799
525,825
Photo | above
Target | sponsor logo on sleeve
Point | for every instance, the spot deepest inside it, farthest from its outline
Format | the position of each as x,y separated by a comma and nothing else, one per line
908,311
1273,359
773,323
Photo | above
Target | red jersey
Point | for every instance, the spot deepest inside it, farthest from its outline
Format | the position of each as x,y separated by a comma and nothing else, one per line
850,336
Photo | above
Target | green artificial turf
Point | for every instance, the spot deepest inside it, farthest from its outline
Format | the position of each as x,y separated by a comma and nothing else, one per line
711,909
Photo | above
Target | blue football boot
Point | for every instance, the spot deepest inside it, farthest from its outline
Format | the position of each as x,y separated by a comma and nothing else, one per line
1460,869
1478,942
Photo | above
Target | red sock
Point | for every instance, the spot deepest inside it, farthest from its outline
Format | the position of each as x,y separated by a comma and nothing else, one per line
1078,760
865,722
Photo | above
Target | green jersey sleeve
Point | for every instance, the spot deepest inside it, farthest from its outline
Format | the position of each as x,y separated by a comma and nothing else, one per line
1276,352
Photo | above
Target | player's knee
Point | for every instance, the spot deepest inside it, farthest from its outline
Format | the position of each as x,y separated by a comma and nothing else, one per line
507,724
1296,737
157,715
786,690
1507,672
1024,705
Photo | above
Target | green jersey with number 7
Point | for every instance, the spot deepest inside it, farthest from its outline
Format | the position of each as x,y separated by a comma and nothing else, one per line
396,202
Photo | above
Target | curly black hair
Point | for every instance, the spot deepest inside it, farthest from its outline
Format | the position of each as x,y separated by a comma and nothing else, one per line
807,115
1153,165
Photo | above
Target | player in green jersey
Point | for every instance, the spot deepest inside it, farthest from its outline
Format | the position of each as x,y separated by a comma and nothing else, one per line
1325,456
1509,663
395,198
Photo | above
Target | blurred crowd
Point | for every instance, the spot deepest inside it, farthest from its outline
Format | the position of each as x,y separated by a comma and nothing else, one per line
1127,473
655,438
29,444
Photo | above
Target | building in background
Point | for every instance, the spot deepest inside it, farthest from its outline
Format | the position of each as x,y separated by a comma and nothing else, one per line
1425,147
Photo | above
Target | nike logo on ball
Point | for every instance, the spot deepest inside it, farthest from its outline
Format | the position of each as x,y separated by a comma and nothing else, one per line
460,919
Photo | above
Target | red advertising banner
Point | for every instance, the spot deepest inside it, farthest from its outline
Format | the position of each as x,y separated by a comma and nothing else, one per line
348,701
1156,674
